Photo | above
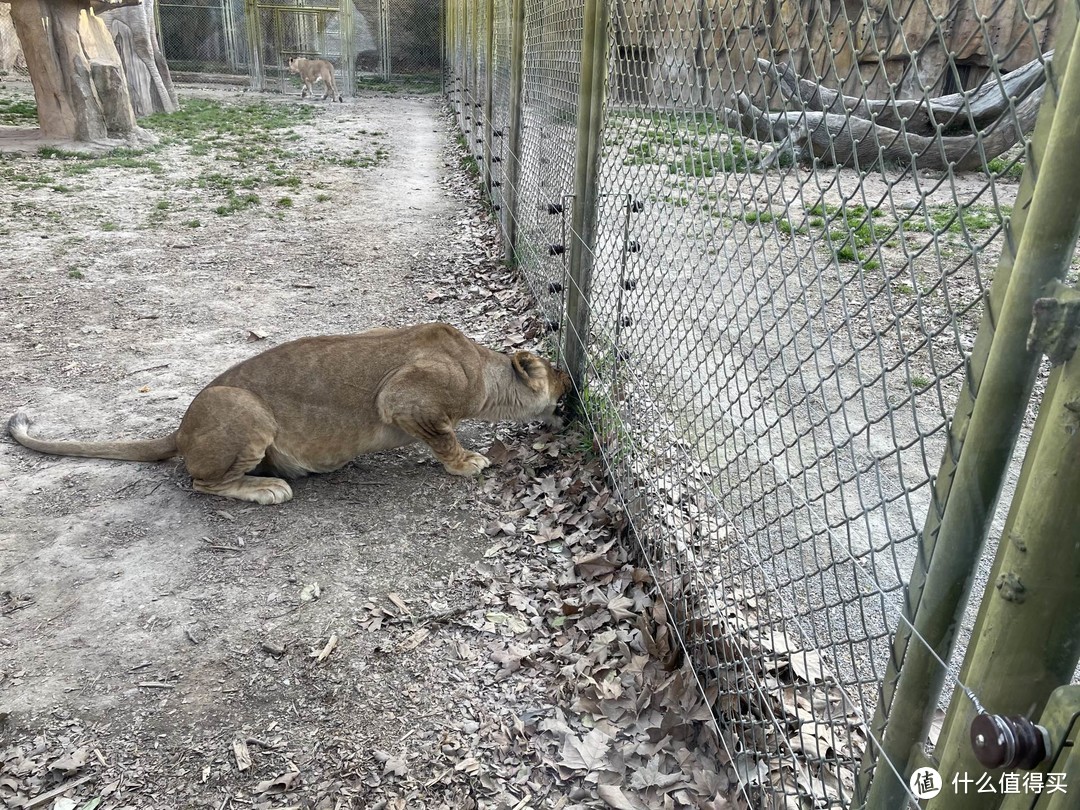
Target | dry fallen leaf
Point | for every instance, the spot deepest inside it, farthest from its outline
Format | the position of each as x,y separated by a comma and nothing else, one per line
279,784
614,796
414,640
242,755
310,592
71,761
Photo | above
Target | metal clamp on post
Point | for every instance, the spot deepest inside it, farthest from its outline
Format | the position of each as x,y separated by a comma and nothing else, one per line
1055,324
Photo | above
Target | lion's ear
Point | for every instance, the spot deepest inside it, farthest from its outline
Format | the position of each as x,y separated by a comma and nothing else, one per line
530,369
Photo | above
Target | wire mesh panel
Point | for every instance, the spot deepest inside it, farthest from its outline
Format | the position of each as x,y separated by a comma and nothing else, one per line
549,111
287,29
414,38
500,98
208,37
799,217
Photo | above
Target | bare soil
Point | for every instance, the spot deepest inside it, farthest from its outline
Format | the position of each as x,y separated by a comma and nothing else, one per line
161,648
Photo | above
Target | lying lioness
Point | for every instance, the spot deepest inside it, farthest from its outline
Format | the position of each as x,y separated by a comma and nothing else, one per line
313,70
313,404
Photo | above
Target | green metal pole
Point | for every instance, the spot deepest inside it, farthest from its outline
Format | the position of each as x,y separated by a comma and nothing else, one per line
512,159
1002,371
594,46
489,90
348,55
254,33
1026,641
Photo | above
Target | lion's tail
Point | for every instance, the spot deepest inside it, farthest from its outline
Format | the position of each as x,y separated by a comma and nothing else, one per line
145,450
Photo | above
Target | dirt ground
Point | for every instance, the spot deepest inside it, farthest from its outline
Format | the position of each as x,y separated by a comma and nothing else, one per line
161,648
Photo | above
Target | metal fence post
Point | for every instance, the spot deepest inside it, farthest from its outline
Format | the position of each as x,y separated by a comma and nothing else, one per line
348,56
588,149
511,197
1002,371
254,34
488,89
1030,611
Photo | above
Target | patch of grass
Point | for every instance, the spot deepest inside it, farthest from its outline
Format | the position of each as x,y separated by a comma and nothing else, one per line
758,216
999,167
200,119
17,112
920,382
75,273
109,226
785,226
163,205
708,162
284,202
235,203
640,154
322,197
412,84
958,219
193,223
60,188
73,164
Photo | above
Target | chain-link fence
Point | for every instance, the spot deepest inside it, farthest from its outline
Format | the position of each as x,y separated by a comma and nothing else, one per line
776,240
251,41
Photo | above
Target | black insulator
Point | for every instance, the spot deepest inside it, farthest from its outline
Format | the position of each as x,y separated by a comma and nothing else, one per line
556,250
555,208
629,284
1008,742
554,287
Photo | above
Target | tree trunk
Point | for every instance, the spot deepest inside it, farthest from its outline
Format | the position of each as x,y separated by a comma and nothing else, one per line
847,140
78,78
959,111
149,81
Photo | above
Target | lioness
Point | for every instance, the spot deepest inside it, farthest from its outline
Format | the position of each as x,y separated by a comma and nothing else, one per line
313,70
313,404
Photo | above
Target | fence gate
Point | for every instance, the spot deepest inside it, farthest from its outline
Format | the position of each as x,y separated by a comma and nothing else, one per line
208,37
282,29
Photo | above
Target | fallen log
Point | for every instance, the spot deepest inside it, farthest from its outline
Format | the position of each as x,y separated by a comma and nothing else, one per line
847,140
955,113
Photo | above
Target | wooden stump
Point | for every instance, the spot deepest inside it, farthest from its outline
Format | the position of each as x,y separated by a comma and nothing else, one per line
79,80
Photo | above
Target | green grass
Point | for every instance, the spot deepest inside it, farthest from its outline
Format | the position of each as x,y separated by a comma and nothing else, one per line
206,120
920,382
415,84
74,164
15,112
109,226
999,167
235,203
973,219
75,273
707,162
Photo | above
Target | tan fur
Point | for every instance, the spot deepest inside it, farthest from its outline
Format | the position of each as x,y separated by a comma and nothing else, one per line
313,70
314,404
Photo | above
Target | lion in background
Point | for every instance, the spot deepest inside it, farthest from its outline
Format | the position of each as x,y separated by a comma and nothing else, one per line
314,70
314,404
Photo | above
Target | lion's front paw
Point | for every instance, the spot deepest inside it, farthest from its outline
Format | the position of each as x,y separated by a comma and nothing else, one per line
471,464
